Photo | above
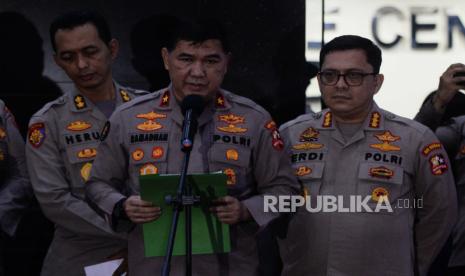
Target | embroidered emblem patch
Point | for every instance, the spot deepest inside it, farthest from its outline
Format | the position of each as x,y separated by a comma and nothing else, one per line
381,172
231,174
36,134
85,171
438,164
157,152
87,153
232,154
386,138
378,193
430,148
148,169
78,126
303,170
150,124
308,136
232,120
137,155
79,102
124,96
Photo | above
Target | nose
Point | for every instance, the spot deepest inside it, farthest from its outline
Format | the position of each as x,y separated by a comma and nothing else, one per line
197,69
341,82
81,62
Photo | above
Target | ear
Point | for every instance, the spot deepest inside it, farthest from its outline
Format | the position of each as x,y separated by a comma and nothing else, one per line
379,79
165,55
113,45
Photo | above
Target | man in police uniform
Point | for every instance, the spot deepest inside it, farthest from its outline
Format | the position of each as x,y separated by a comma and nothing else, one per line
15,189
452,136
355,148
235,135
63,138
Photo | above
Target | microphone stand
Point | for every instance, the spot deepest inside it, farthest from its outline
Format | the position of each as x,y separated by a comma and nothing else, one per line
183,200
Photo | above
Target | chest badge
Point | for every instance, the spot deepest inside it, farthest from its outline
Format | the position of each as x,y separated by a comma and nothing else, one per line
379,194
87,153
308,137
386,138
148,168
78,126
381,172
232,120
85,171
303,170
150,124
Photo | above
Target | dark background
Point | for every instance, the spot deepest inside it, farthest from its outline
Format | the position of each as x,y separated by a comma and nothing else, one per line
267,40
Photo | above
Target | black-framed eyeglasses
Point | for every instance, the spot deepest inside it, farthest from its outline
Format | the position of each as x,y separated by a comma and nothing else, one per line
351,78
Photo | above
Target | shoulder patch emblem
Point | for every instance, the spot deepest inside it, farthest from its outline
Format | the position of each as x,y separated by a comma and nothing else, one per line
165,99
79,102
378,193
381,172
438,164
87,153
232,120
124,95
78,126
386,138
147,169
430,148
36,134
276,140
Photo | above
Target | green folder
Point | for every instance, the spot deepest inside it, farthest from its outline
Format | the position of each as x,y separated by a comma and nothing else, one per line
209,235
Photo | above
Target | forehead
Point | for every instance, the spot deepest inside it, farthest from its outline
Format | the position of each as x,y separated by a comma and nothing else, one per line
207,47
346,60
77,38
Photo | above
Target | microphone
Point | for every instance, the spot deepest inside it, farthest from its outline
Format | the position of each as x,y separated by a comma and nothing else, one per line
191,107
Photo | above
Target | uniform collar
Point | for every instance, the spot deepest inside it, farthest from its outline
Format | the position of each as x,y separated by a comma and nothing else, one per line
167,101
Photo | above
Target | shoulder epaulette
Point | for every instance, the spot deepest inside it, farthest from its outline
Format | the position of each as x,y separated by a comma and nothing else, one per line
57,102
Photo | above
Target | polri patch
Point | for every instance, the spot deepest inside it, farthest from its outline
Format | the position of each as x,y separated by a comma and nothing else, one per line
36,134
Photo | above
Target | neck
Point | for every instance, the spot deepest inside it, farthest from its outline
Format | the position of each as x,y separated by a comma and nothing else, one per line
104,92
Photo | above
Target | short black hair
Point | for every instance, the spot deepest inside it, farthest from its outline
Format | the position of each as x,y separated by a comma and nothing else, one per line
73,19
352,42
198,30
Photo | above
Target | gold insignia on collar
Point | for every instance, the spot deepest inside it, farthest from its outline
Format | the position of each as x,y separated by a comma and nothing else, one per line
232,120
379,194
148,168
78,126
220,101
375,119
381,172
387,137
327,120
87,153
124,95
231,174
165,99
85,171
303,170
80,102
232,154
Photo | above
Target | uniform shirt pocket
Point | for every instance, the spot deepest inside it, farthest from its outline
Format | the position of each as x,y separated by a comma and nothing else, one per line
310,174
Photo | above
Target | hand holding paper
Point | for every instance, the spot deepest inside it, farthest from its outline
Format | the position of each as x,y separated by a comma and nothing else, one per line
141,211
230,210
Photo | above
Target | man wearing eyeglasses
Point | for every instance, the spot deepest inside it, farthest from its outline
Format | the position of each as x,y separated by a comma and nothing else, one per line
381,198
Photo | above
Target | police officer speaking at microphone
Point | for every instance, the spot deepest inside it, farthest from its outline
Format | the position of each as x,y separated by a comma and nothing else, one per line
63,138
364,157
234,135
